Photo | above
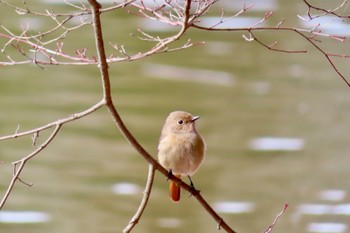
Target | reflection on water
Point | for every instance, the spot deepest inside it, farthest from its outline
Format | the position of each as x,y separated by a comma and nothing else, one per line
126,189
296,70
23,217
218,48
260,88
169,222
327,211
328,24
234,207
257,5
187,74
324,209
332,195
275,143
327,227
237,22
153,25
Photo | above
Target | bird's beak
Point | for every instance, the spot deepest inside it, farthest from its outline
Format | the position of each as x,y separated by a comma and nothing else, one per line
194,118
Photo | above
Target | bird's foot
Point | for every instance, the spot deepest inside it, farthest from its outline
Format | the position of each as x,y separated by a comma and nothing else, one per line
169,175
193,190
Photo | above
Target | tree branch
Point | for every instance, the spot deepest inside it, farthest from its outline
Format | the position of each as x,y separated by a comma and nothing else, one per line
22,162
300,32
103,66
325,11
146,194
62,121
269,228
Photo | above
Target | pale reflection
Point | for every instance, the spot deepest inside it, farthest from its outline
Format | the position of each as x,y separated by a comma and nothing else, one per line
188,74
126,189
23,217
332,195
276,143
169,222
234,207
327,227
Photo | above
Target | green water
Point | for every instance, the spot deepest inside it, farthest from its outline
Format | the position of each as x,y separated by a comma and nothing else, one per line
272,95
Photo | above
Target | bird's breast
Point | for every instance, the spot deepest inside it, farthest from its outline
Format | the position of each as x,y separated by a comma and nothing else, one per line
182,153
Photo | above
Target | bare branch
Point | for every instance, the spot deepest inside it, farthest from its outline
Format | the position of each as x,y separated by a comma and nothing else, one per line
220,222
24,182
81,59
300,32
146,194
22,162
118,6
326,11
36,47
73,117
271,47
223,20
269,228
35,137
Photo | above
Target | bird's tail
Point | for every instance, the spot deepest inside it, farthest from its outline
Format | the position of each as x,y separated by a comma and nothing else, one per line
175,190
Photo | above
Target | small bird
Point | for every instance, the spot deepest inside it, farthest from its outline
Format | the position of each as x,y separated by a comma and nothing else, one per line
181,149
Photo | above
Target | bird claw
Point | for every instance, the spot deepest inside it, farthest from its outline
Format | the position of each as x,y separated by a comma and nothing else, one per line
193,190
169,175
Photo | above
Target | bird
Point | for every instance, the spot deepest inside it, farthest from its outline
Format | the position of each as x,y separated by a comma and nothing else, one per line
181,149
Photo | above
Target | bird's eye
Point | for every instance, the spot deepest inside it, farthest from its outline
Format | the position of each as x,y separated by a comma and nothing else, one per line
180,122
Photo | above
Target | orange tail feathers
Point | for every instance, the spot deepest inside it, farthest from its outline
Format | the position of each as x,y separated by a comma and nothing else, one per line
174,190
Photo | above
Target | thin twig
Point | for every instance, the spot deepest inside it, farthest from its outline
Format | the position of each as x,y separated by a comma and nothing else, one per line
23,161
300,32
73,117
325,11
269,228
146,194
271,47
19,165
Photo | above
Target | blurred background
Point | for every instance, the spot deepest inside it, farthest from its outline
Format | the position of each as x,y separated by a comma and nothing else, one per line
276,127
